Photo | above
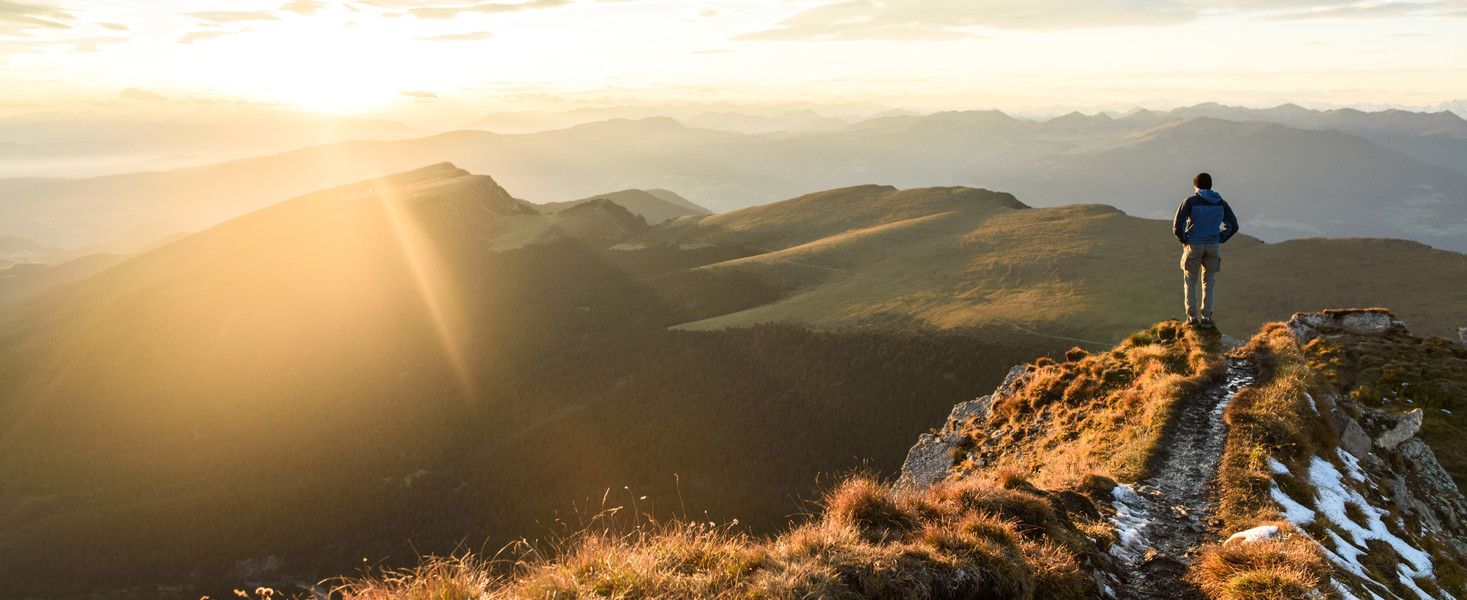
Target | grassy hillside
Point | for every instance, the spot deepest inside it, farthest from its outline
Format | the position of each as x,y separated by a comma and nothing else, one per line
655,206
21,281
359,373
956,257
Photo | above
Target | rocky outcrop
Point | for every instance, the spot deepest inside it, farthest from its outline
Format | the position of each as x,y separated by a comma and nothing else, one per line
1386,442
1357,321
1405,428
931,459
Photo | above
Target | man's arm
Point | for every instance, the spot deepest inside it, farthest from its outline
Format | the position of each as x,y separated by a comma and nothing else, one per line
1231,221
1179,222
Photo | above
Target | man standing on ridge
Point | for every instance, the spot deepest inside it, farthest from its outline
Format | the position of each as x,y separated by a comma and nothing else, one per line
1203,223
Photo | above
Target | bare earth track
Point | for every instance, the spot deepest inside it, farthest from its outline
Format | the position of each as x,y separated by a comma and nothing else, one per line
1180,494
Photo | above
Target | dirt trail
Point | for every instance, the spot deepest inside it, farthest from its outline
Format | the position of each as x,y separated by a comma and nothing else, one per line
1177,503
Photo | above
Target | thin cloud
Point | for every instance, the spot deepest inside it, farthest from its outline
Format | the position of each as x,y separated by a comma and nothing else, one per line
16,18
459,37
199,36
1382,10
220,17
451,11
114,26
304,7
94,44
417,94
140,94
936,20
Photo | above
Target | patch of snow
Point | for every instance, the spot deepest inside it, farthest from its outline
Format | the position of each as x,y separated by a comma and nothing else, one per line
1343,591
1445,410
1132,520
1295,512
1352,464
1346,555
1333,498
1257,534
1277,467
1406,581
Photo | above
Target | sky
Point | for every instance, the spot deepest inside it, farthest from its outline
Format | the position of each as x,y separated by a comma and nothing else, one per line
400,58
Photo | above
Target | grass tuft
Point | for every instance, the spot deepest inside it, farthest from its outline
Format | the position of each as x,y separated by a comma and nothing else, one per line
1289,568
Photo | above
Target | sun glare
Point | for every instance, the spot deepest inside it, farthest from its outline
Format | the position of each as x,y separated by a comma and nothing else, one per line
333,69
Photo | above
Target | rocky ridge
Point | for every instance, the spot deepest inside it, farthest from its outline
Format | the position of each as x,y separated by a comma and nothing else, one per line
1381,507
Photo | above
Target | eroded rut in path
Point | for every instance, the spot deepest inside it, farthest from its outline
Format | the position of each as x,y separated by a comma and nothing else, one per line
1169,512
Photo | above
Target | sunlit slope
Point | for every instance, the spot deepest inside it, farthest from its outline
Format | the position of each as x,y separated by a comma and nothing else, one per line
822,214
655,206
21,281
1087,271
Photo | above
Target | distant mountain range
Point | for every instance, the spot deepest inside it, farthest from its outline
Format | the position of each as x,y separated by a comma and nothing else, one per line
1290,172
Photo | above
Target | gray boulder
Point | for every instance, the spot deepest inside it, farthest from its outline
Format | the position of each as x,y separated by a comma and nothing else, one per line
1406,427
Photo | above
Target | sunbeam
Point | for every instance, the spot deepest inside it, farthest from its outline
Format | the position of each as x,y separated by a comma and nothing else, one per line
431,280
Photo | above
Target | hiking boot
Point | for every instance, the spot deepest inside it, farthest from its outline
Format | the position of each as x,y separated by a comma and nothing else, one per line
1193,322
1206,323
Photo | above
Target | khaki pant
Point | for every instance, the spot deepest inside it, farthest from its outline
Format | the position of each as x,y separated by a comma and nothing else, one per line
1206,259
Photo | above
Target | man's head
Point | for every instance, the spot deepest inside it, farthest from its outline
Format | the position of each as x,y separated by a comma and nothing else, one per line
1203,181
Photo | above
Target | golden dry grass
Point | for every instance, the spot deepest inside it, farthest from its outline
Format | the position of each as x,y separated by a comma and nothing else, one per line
1272,419
1101,413
974,539
1288,568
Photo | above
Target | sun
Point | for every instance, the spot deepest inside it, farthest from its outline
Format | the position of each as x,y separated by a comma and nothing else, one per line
333,70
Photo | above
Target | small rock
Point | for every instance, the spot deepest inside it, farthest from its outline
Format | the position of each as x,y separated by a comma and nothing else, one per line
1257,534
928,462
1352,437
1406,427
1007,387
973,408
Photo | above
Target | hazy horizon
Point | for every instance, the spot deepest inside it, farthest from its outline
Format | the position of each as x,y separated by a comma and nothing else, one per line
439,65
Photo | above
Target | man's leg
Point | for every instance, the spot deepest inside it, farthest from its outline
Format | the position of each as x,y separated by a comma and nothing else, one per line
1211,260
1191,266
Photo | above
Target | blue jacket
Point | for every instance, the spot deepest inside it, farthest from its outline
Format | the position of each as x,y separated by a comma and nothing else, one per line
1204,218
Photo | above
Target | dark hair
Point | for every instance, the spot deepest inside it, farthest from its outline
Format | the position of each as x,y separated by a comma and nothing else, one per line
1203,181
